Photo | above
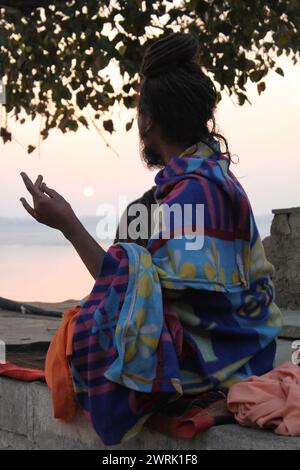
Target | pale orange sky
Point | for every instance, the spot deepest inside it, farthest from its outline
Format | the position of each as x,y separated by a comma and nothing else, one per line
264,135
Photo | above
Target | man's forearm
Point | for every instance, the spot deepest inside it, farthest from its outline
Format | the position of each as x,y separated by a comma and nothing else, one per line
88,249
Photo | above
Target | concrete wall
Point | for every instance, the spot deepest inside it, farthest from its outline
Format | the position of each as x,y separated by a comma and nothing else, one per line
26,422
283,251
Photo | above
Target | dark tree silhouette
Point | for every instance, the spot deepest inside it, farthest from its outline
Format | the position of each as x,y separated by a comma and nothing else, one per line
53,55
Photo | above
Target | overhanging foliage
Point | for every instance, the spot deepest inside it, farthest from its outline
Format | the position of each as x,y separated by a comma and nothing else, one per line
54,54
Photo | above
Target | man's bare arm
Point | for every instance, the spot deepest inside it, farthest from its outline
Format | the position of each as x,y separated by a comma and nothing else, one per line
50,208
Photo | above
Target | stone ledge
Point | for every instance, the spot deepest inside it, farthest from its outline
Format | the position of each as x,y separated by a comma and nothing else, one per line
286,211
26,422
291,326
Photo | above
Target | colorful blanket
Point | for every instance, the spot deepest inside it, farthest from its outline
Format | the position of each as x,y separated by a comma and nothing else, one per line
135,346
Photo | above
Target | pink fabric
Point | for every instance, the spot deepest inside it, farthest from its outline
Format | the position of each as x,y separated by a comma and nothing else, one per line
269,401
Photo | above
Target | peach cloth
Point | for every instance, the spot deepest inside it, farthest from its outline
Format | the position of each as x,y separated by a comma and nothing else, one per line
57,369
269,401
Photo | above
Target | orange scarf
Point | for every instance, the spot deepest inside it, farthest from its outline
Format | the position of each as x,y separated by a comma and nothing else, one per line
57,368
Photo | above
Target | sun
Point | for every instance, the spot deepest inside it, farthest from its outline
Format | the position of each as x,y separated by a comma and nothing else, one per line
88,191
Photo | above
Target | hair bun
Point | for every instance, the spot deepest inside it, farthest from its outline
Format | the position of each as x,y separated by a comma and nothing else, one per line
168,53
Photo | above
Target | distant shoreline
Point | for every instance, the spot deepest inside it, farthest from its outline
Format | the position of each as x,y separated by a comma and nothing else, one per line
26,232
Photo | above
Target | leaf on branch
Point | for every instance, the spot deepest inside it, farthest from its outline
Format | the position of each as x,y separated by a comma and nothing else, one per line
108,126
68,123
279,71
45,133
30,148
72,125
75,84
129,125
80,100
130,101
257,75
83,121
241,98
261,87
219,97
127,87
100,62
122,49
108,88
66,94
6,136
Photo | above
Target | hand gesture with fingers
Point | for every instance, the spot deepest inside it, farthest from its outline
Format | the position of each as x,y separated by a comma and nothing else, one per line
49,207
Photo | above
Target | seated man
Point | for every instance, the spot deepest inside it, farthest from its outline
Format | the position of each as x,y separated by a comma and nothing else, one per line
193,309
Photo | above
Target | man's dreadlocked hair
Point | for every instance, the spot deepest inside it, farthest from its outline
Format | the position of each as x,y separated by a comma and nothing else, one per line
176,93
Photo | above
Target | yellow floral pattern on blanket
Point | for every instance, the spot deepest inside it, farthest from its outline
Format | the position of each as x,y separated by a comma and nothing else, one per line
214,271
139,334
178,269
259,303
259,265
140,338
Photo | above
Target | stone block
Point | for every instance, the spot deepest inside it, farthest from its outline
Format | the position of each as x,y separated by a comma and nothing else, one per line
13,409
